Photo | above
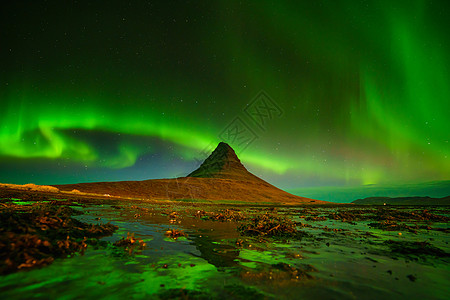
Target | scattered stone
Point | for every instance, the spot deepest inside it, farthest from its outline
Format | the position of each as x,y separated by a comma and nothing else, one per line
411,277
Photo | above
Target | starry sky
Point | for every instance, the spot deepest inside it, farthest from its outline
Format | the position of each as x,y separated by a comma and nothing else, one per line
309,93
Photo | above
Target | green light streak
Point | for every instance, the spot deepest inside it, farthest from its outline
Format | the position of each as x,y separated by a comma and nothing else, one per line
364,89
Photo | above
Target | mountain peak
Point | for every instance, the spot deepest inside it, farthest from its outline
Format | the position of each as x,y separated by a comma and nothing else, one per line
220,177
223,163
224,147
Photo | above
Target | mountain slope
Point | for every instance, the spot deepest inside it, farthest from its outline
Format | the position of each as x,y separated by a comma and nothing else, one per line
220,177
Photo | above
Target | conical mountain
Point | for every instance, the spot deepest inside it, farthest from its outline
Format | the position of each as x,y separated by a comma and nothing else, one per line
223,163
221,177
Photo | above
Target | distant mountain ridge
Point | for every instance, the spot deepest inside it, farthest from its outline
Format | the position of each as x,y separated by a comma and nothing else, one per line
403,201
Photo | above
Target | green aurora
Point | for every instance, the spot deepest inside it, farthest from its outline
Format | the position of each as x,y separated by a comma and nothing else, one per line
136,91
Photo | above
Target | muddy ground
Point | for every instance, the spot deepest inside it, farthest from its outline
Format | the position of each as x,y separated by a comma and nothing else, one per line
95,248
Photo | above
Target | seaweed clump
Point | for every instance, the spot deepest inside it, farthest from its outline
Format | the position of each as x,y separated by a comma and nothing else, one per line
175,233
226,215
130,243
415,250
280,274
393,226
272,226
34,235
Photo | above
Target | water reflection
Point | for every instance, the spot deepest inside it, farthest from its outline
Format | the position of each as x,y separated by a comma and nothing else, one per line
351,261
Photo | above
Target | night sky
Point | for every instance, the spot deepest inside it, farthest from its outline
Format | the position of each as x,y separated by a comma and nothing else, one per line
309,93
